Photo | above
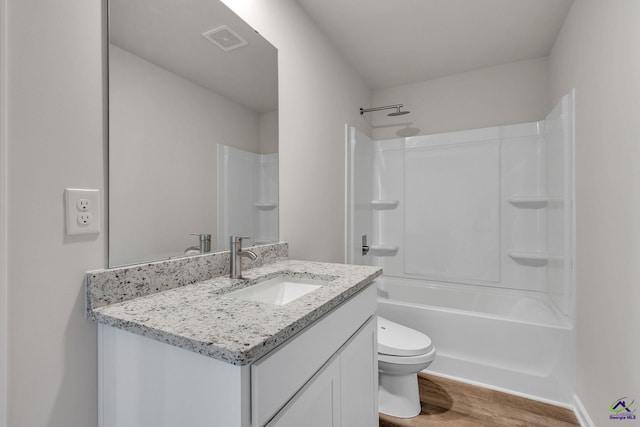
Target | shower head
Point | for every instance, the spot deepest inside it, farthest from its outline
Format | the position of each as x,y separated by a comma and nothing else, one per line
397,107
398,112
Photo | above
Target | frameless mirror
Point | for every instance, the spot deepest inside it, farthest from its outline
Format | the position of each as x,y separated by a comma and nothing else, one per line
193,130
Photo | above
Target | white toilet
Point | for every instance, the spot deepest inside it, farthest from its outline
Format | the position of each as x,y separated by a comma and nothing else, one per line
402,353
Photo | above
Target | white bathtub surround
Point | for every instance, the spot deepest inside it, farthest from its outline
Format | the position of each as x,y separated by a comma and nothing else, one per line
247,196
508,340
200,317
476,237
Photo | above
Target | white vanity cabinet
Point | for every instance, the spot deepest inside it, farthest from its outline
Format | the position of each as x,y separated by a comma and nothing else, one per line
342,393
326,375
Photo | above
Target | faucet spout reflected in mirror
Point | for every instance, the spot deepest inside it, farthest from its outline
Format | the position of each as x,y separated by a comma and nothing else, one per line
236,254
205,245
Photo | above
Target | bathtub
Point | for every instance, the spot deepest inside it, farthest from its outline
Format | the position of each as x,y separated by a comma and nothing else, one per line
508,340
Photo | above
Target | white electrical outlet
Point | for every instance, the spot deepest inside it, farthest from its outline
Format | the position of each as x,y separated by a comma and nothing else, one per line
84,204
84,218
83,211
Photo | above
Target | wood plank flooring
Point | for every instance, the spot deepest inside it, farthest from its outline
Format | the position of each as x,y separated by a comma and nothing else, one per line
452,403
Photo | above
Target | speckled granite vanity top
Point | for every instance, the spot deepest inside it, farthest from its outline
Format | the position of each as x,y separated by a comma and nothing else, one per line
200,317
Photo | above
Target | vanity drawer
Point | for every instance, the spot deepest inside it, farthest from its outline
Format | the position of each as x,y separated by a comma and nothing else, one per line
277,377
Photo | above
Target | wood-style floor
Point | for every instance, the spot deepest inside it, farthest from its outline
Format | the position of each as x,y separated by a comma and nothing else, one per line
452,403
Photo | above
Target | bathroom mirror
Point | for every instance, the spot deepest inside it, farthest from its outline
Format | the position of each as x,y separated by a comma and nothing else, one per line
193,129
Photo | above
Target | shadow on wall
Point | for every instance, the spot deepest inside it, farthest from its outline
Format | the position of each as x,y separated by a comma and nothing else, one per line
75,388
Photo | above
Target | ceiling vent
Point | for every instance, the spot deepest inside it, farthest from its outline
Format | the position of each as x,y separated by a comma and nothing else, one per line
225,38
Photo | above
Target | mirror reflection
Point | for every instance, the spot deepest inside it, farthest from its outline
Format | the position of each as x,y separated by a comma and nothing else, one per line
193,130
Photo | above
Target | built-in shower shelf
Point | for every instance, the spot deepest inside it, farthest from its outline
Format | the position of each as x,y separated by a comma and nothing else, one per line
527,202
383,205
265,206
263,241
384,250
532,259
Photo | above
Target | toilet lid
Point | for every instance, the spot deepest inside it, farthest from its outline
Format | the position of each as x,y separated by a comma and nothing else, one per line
398,340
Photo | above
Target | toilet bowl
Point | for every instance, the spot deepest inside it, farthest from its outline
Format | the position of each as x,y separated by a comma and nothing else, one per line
402,353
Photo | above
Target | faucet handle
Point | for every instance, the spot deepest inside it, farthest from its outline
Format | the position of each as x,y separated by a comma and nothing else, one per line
236,242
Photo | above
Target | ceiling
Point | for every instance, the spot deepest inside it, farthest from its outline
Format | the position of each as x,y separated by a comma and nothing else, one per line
168,33
396,42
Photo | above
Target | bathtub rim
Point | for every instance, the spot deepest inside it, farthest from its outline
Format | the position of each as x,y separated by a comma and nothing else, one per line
560,320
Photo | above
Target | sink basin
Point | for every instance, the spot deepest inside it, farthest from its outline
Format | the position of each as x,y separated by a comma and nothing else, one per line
280,290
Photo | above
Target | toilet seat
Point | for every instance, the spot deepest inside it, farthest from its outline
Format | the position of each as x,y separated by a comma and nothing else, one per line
398,340
408,360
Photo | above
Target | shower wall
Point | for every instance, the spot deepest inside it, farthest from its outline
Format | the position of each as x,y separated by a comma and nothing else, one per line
560,186
487,207
359,189
247,196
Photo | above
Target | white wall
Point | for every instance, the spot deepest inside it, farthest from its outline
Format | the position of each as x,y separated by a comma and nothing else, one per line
55,139
171,127
269,132
3,214
318,94
597,52
505,94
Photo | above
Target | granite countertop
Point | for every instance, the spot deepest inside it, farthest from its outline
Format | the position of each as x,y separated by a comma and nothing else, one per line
200,317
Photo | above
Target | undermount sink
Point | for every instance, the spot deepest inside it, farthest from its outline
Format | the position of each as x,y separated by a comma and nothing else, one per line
280,290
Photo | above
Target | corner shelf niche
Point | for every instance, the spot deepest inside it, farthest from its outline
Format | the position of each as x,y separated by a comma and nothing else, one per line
528,202
384,205
265,206
531,259
384,250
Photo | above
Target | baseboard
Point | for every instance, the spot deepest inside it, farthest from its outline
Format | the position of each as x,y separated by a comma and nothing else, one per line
581,413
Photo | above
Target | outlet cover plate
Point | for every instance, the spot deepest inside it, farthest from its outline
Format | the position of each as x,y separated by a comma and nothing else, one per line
76,217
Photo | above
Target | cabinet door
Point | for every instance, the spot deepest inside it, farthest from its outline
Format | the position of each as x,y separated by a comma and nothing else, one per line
146,383
317,404
278,377
359,378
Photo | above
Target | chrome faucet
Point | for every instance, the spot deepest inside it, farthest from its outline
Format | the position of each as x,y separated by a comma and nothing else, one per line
236,254
205,244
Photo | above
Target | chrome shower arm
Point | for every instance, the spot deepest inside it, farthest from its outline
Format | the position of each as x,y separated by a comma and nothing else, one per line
386,107
396,107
